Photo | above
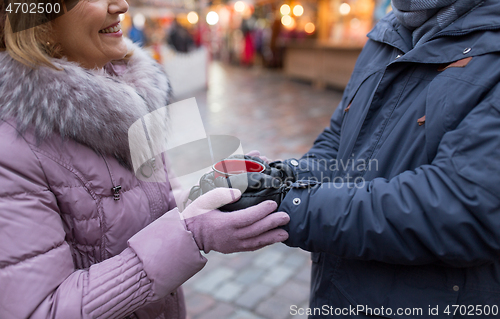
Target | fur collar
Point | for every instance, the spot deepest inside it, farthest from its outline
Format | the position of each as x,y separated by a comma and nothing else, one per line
92,107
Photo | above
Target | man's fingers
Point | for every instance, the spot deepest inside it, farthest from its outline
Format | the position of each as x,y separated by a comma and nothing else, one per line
265,159
256,153
253,153
207,182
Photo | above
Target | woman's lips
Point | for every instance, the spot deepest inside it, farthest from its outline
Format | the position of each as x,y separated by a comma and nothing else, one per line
114,28
113,34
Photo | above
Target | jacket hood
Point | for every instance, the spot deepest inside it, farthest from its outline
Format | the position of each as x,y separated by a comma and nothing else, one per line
93,107
485,17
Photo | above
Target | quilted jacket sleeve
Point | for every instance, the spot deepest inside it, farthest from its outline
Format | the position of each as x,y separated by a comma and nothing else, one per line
37,275
445,212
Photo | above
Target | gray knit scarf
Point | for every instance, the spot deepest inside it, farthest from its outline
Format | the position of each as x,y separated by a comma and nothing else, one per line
427,17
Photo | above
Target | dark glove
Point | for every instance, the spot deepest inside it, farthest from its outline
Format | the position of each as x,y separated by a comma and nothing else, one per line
255,188
207,181
283,171
273,183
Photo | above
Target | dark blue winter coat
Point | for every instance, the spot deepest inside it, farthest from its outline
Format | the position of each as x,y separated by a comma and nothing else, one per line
408,211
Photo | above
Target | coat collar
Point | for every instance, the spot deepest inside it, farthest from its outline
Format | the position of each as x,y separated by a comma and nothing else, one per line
92,107
449,44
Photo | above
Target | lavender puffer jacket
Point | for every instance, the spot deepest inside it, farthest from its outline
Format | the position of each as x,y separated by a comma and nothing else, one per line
71,247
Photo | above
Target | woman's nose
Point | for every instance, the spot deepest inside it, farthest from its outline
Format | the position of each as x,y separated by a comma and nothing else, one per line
117,6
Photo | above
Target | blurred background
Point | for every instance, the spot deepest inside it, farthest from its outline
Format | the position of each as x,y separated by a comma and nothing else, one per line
313,40
270,72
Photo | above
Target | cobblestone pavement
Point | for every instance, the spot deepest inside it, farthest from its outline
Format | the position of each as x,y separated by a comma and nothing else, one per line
281,118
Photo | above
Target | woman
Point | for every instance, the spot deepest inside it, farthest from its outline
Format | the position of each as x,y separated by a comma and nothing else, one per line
73,215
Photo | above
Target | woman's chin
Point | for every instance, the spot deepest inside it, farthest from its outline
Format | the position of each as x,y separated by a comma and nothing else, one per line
119,53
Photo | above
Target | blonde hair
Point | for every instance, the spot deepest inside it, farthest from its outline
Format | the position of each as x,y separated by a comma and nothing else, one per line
33,46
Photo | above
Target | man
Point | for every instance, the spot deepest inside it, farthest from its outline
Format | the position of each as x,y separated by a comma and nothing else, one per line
399,199
419,128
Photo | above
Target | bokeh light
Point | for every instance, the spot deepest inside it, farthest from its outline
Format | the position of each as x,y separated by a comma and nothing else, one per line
310,27
139,21
354,23
344,9
298,10
212,18
285,9
239,6
192,17
286,20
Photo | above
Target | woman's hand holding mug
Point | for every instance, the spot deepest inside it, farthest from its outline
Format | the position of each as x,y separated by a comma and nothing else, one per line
247,229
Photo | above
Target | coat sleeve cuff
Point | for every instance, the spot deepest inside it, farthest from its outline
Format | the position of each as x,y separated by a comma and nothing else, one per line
116,287
168,253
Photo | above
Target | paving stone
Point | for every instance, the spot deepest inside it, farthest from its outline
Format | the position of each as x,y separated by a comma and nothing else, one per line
277,275
249,275
243,314
198,303
275,307
220,311
240,261
300,316
267,259
215,261
282,247
253,295
295,260
304,274
228,291
213,279
295,291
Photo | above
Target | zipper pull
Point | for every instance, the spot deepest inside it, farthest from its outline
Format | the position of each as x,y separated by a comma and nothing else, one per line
116,192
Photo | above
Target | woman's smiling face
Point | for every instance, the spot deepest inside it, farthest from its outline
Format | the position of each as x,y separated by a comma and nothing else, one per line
90,33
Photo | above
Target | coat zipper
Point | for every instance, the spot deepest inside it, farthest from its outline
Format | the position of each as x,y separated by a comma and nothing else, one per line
116,188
